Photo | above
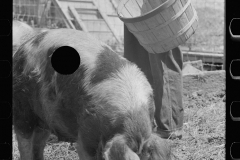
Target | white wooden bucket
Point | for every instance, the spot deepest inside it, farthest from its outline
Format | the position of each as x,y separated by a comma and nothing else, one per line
159,25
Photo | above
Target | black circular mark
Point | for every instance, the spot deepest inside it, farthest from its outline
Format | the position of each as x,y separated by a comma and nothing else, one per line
65,60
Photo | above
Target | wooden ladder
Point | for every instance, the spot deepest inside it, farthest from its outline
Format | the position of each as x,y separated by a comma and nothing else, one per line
87,17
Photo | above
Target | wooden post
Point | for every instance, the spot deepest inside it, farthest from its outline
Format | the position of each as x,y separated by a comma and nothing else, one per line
42,21
134,52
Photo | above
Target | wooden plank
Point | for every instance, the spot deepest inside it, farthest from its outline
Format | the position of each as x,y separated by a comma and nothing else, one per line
205,57
113,15
118,25
85,16
97,26
197,64
82,5
106,20
86,9
78,19
106,6
125,13
115,5
45,11
65,15
217,55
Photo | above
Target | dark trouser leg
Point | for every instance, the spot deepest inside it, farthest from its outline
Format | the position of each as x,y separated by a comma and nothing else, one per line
164,72
167,77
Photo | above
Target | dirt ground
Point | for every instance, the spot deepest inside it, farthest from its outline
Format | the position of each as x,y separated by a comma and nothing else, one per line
204,121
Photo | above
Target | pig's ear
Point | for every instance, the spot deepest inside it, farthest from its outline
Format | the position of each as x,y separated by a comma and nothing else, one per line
130,155
110,148
65,60
106,153
156,148
117,149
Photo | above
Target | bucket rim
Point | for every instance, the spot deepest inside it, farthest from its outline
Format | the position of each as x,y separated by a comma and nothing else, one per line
146,15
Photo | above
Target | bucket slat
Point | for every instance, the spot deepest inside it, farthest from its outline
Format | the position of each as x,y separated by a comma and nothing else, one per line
141,38
147,38
146,7
151,38
183,20
195,24
160,19
189,12
180,41
149,49
177,6
166,46
187,34
175,27
158,49
163,33
159,25
184,2
154,4
141,26
131,26
152,22
168,14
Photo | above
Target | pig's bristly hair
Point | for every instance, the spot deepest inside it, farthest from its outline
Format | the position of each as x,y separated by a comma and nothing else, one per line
21,33
38,51
124,92
127,89
87,46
